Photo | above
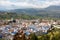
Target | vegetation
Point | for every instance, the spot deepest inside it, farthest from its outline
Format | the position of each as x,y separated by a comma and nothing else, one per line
53,35
9,15
14,15
1,39
33,37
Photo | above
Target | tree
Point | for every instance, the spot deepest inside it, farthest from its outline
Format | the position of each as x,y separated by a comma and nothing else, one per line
33,36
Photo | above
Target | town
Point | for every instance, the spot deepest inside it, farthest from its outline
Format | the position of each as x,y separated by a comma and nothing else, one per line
8,28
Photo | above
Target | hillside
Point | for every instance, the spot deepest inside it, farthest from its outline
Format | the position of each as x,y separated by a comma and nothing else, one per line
51,11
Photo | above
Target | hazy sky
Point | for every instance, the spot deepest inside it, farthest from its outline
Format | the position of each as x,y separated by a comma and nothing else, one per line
14,4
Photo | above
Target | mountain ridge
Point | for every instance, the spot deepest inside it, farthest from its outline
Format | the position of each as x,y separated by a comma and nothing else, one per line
50,11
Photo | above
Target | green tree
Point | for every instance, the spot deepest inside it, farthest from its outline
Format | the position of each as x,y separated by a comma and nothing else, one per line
33,37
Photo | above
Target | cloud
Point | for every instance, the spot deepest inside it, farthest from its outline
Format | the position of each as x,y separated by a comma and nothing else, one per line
14,4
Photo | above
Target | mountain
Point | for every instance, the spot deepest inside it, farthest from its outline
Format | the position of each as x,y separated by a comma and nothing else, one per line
51,11
35,10
30,11
53,8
